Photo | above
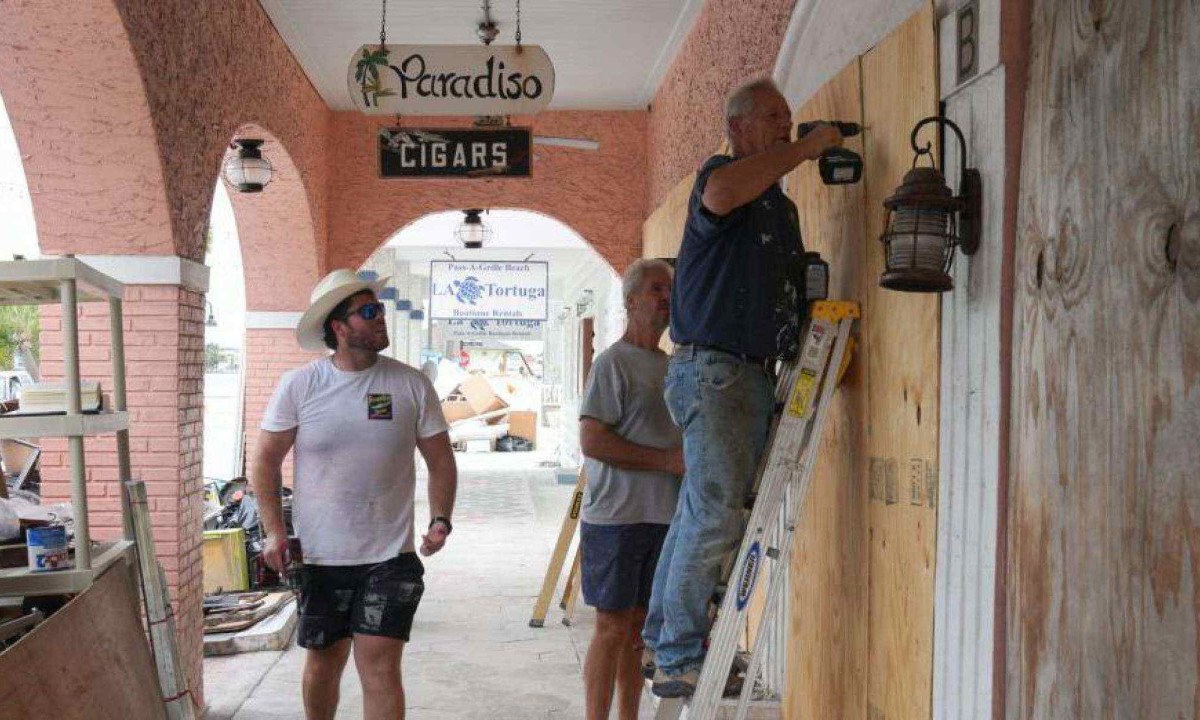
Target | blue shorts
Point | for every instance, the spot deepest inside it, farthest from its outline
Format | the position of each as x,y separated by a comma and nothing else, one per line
618,563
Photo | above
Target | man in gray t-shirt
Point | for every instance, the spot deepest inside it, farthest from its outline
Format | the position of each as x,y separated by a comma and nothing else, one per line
634,461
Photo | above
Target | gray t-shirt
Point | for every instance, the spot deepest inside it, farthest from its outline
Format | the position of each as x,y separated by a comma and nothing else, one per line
625,392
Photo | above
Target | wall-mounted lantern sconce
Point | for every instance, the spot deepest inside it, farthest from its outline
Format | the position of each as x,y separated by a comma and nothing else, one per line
473,232
211,319
926,220
247,170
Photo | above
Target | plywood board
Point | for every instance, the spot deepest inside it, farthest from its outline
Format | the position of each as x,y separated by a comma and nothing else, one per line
1103,619
900,347
828,633
662,233
88,661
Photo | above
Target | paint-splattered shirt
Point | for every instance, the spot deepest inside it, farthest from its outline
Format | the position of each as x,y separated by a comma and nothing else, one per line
733,276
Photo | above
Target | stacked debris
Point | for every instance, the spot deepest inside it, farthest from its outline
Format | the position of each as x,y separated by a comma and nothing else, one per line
484,413
233,539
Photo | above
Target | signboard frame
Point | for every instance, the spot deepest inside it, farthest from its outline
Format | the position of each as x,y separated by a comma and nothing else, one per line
450,79
433,313
523,135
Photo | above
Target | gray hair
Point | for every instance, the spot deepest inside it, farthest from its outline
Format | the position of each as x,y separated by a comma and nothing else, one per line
741,99
635,275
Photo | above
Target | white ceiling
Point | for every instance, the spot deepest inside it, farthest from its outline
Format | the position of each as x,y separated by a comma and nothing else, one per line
607,54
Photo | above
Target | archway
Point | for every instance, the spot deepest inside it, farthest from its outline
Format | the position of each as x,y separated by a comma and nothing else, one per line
535,369
19,325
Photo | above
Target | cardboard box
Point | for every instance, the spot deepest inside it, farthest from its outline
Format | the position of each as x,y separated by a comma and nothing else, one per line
479,394
456,410
523,424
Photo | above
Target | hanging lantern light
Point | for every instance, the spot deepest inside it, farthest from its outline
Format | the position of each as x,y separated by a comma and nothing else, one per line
473,232
926,221
247,170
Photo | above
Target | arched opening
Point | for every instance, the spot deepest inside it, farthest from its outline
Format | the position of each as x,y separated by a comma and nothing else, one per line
503,381
224,345
19,325
262,252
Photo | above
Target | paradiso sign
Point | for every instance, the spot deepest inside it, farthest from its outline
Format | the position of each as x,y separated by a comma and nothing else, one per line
460,290
451,79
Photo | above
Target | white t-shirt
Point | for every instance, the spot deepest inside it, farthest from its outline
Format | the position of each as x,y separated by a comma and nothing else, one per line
355,441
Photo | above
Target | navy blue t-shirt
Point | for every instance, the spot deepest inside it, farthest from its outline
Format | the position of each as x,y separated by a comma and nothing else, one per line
733,289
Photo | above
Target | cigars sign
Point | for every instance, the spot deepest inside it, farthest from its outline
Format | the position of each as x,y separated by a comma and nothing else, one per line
451,79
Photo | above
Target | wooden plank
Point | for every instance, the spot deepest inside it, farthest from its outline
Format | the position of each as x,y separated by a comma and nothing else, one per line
89,660
964,604
900,349
662,232
828,634
1102,612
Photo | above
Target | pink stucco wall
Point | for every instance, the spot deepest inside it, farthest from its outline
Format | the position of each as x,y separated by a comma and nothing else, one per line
601,194
731,41
80,116
277,234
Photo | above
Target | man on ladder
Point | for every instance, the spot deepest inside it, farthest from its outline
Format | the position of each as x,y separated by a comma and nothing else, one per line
734,312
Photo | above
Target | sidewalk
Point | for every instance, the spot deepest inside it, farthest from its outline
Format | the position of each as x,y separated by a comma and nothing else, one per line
472,653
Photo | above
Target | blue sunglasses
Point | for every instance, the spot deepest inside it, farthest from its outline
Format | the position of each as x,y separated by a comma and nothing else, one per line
370,311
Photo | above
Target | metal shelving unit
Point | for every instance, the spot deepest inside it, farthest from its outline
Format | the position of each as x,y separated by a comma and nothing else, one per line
68,282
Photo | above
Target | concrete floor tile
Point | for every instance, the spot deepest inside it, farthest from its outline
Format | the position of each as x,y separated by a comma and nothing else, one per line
472,653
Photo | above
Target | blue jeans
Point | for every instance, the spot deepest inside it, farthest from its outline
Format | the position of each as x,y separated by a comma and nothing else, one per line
723,404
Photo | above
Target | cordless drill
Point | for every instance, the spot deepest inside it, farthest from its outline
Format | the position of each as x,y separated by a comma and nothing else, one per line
837,165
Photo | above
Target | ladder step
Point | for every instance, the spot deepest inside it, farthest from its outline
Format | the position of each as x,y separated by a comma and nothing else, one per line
769,709
764,709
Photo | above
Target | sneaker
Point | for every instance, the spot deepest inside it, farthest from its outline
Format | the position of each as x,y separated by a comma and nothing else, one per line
684,685
674,686
648,664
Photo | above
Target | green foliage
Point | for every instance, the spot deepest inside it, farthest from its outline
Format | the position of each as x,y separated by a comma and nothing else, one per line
19,326
212,357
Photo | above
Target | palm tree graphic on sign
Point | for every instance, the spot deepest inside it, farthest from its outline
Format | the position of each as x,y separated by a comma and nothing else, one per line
467,290
366,74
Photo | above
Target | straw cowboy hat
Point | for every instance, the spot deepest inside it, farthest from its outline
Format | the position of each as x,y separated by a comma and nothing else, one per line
333,288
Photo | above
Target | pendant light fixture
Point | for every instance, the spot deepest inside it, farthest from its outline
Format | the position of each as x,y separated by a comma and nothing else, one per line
473,232
247,170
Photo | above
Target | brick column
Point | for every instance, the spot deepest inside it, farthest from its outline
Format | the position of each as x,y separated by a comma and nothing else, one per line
271,350
164,353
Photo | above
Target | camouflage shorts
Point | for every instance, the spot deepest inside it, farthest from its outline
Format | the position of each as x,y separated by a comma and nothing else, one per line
337,601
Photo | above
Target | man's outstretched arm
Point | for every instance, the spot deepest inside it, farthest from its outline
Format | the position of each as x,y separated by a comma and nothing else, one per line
443,486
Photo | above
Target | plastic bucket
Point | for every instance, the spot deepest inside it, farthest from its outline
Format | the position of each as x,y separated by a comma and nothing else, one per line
48,548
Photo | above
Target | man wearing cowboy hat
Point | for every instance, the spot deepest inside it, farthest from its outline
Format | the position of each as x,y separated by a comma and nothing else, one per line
353,419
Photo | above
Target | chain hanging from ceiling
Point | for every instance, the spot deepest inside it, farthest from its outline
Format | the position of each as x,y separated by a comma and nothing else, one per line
518,37
383,25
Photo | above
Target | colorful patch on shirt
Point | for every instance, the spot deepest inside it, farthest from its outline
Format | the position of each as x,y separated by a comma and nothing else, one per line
379,406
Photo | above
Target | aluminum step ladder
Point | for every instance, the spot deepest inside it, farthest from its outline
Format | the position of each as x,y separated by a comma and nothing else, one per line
803,396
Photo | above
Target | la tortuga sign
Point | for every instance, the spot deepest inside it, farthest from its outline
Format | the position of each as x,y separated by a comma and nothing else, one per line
451,79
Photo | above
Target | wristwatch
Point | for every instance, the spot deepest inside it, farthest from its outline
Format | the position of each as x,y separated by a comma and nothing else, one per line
443,520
